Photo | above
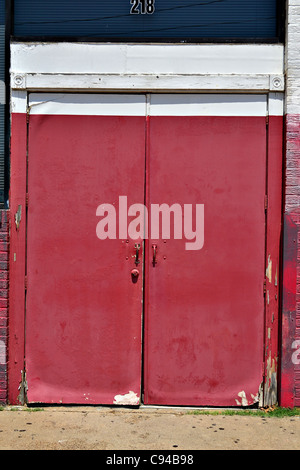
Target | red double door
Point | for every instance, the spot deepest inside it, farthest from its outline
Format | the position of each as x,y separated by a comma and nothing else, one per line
169,319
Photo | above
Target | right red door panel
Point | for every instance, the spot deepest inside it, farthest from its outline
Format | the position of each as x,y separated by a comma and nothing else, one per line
205,307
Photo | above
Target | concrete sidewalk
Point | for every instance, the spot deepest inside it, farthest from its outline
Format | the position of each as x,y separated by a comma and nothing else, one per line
108,428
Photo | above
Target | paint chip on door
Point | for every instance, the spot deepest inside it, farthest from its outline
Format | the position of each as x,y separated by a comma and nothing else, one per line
130,398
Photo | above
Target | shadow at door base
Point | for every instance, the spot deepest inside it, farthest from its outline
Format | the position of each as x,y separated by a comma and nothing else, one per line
143,407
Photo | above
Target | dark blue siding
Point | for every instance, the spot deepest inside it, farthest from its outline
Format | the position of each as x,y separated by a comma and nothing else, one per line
173,19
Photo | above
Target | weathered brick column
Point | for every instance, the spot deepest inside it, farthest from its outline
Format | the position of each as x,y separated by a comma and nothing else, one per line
290,363
4,250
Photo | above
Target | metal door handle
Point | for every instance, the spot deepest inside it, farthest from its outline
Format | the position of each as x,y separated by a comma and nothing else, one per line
154,247
137,251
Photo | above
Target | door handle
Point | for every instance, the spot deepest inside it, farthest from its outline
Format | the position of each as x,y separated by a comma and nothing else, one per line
137,252
134,275
154,248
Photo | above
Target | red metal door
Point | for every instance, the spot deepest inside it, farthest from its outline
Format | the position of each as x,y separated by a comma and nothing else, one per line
205,306
83,310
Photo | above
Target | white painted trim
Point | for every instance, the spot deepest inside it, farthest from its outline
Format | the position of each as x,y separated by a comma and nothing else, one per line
147,67
87,104
208,105
276,104
147,59
159,104
18,101
145,83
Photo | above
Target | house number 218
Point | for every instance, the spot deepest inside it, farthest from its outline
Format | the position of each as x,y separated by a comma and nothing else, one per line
142,7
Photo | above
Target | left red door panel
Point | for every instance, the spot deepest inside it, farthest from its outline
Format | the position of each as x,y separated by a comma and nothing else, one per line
83,310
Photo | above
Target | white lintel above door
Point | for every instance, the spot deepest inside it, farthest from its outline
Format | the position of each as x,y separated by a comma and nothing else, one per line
147,67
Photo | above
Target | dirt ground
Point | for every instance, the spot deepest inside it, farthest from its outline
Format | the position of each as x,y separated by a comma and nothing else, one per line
105,428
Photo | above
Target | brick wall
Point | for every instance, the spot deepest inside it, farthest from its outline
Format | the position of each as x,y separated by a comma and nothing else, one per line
4,248
290,369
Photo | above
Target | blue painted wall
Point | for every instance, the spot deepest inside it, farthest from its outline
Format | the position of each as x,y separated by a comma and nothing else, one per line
172,19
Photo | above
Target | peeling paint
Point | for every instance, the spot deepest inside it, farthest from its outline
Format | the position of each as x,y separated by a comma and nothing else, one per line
22,397
254,398
261,395
269,269
270,395
244,401
130,398
18,215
